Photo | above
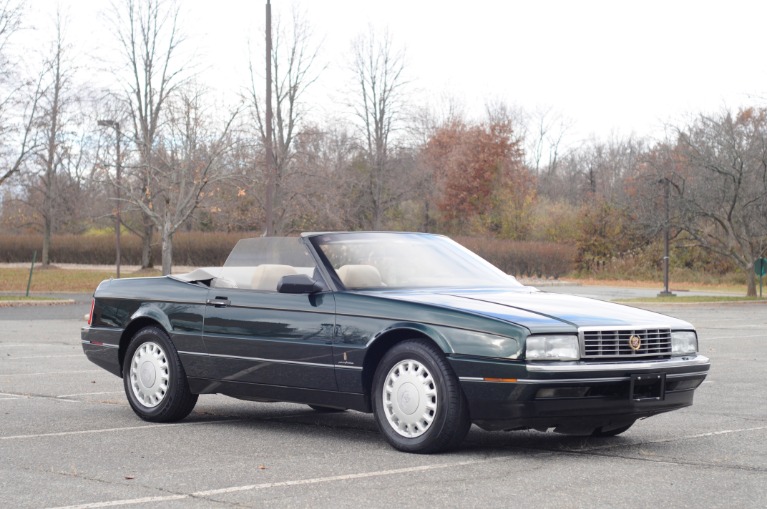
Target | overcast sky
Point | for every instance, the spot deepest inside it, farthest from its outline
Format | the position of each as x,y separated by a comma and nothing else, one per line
610,66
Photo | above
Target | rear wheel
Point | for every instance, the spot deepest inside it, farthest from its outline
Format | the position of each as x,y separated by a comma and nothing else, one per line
418,403
154,379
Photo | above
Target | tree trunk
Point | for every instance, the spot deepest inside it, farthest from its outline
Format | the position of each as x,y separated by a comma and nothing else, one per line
146,248
751,281
46,242
167,248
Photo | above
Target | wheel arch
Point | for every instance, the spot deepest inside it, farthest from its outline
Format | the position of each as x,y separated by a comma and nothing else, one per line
387,339
133,327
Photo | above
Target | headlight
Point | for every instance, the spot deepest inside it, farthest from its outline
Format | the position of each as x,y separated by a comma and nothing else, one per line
483,344
552,348
683,342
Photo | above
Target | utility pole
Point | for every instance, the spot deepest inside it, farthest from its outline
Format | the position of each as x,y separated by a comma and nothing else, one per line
118,170
270,170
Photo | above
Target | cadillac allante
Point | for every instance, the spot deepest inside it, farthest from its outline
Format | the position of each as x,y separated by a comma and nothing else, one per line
411,327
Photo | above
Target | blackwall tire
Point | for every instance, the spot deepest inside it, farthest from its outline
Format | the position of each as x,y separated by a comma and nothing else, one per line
417,400
154,379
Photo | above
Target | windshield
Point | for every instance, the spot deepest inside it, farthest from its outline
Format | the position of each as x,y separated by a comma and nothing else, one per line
406,260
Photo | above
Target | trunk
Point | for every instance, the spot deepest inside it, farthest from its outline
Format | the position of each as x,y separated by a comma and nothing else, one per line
751,281
146,248
45,260
167,249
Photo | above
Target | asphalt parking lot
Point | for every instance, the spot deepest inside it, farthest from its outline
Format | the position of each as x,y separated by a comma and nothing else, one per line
69,439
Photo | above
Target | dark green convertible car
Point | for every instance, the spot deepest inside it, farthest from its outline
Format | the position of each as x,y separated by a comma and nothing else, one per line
412,327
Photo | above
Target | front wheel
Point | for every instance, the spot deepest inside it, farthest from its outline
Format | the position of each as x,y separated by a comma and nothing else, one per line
418,403
154,379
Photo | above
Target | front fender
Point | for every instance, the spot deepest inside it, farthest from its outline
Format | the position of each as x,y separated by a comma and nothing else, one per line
419,329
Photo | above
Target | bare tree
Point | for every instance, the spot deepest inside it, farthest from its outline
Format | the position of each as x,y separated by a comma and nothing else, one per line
185,162
378,69
19,98
149,37
720,178
50,157
294,69
545,132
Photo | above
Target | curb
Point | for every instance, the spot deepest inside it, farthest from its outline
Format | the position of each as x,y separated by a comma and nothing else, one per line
20,303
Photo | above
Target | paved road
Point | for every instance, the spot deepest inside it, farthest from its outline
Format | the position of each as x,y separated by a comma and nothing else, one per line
68,438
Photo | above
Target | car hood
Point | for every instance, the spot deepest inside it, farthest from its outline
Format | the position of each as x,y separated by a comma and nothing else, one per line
541,311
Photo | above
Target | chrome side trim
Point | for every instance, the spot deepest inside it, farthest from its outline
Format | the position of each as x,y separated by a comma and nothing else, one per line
353,368
548,382
576,380
98,343
258,359
699,360
687,375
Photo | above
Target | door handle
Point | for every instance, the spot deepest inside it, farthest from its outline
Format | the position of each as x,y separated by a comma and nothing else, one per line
219,302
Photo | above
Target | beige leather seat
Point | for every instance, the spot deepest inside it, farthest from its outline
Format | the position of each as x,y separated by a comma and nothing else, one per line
360,276
266,276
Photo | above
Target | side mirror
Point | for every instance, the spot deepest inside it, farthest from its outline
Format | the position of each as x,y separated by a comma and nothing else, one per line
298,283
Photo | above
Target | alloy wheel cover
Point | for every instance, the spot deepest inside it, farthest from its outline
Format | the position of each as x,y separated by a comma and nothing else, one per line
149,374
409,398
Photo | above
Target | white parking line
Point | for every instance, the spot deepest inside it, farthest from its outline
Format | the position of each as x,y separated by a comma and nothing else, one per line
346,477
88,394
12,358
56,373
28,345
10,397
297,482
684,437
108,430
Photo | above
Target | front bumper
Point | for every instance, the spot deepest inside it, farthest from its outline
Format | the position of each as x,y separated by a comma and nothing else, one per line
575,397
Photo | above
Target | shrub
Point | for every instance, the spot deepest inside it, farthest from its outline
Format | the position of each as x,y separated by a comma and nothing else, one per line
195,248
526,259
199,249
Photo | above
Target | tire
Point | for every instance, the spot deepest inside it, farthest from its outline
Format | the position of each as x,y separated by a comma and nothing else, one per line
417,401
154,379
600,433
326,409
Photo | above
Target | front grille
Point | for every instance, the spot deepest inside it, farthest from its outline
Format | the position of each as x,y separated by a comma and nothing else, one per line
615,343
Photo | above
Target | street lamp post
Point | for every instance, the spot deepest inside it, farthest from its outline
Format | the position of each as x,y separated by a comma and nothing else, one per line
666,292
118,167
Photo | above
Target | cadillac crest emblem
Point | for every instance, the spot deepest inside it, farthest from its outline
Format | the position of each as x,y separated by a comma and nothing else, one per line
635,342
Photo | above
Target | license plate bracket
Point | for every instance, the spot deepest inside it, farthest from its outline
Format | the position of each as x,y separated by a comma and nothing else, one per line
648,387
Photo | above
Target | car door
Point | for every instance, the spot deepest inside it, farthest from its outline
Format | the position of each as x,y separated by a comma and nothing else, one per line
271,338
254,334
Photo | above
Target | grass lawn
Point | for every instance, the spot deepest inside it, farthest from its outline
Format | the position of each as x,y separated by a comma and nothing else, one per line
16,298
674,286
86,280
57,280
693,299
